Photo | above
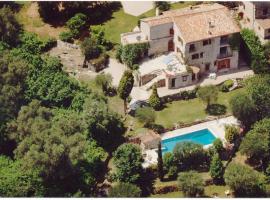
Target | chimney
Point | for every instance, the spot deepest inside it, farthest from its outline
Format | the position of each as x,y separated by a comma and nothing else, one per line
157,11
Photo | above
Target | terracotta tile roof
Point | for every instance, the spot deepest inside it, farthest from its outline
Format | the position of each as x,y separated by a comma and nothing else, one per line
204,25
193,22
264,23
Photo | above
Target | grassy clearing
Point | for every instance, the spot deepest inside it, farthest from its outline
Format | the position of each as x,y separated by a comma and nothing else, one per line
29,17
189,111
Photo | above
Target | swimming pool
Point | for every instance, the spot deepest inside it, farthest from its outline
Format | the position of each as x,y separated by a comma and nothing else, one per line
204,137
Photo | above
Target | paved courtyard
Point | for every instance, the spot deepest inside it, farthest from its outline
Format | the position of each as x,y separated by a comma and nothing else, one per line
139,93
137,8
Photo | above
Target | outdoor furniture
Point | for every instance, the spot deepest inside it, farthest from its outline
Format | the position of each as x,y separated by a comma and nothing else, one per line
212,76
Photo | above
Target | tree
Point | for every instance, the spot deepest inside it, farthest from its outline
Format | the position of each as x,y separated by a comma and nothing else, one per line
218,145
168,160
231,133
125,87
146,115
56,144
256,86
105,126
125,190
77,24
244,181
90,48
154,99
128,162
18,182
9,27
208,94
216,169
259,62
163,5
66,36
104,81
189,155
98,33
243,108
160,163
48,10
191,183
256,142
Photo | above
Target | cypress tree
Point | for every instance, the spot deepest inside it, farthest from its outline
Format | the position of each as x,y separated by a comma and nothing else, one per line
154,99
160,163
216,169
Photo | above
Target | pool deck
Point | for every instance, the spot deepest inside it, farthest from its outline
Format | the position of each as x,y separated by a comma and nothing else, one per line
217,128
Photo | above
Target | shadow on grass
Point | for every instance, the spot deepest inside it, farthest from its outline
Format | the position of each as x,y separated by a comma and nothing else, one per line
216,109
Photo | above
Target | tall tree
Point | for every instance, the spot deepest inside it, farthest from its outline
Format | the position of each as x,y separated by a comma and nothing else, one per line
125,86
128,161
160,163
216,169
154,99
208,94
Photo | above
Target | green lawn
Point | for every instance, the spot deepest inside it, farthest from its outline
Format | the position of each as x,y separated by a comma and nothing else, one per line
189,111
122,22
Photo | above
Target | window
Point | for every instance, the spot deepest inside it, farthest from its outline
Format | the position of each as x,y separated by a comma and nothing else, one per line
195,56
173,83
191,47
206,42
259,27
177,49
265,11
201,55
224,40
184,78
207,66
268,30
171,31
248,19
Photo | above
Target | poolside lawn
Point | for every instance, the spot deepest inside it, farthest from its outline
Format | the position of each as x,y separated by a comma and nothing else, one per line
190,110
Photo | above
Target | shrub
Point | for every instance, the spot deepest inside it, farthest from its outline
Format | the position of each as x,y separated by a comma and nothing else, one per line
76,24
48,44
191,183
66,36
131,54
104,81
163,5
168,160
244,181
189,155
154,99
165,189
226,85
90,48
146,115
208,94
100,62
218,145
125,190
231,133
135,67
216,169
172,173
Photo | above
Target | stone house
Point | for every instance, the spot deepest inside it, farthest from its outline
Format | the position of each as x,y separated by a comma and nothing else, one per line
256,16
198,35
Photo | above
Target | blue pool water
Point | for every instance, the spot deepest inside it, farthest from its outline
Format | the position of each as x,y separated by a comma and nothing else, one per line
203,137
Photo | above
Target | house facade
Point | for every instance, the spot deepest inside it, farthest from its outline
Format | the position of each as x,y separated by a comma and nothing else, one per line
256,16
199,36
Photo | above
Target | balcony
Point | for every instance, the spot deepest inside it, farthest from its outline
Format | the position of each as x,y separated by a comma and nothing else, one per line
224,55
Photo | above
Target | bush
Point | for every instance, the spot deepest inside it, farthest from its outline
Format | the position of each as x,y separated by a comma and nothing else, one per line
172,173
189,155
48,44
104,81
163,5
76,24
226,85
125,190
218,145
231,133
216,109
190,94
208,94
244,181
165,189
191,183
216,169
168,160
146,115
90,48
131,54
100,62
135,67
66,36
154,99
